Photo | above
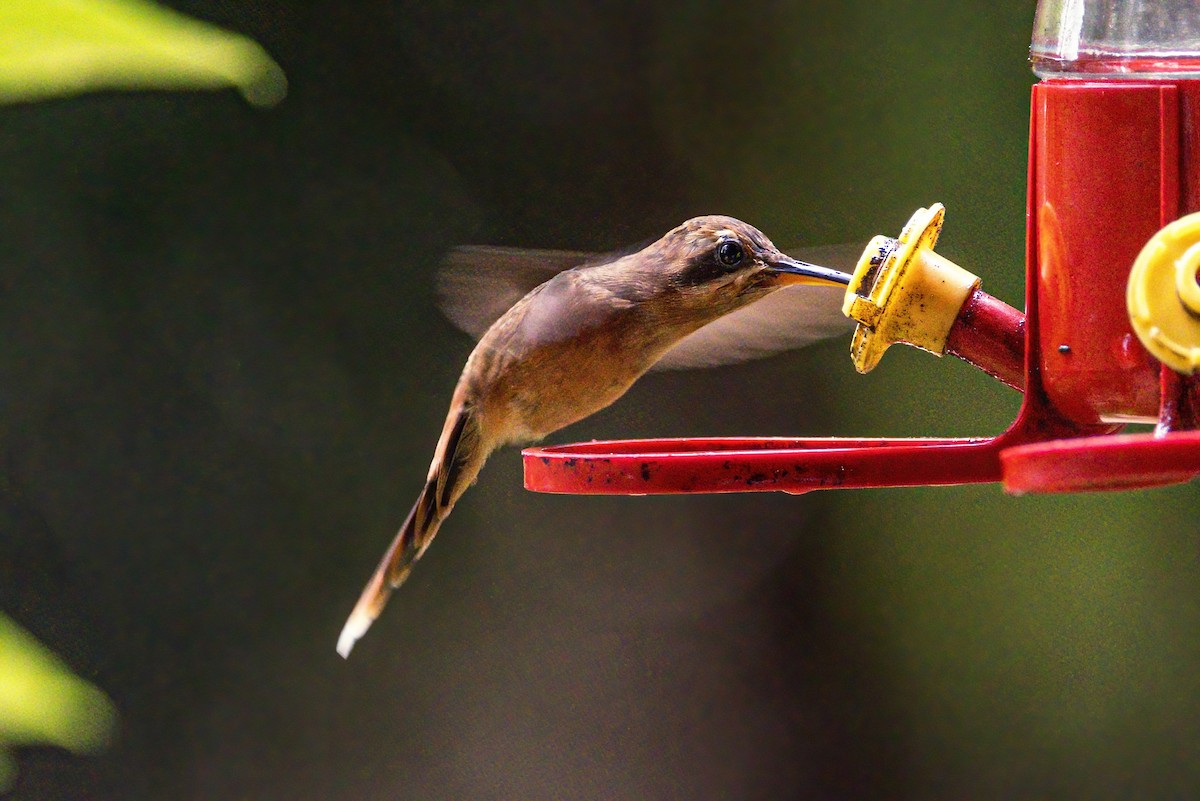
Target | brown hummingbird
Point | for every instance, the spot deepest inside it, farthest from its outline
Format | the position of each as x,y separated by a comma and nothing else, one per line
578,341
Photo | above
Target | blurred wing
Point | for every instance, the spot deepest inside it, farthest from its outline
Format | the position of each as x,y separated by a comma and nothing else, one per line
787,319
478,283
792,317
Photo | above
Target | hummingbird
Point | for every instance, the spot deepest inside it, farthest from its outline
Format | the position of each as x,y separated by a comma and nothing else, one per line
581,337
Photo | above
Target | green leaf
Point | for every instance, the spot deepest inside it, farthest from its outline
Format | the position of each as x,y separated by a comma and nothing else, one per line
52,48
41,701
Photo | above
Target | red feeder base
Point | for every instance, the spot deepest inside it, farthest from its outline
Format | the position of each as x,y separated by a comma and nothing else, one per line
751,464
1122,461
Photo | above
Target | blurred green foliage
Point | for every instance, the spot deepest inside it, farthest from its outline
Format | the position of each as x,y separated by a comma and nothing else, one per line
51,48
42,702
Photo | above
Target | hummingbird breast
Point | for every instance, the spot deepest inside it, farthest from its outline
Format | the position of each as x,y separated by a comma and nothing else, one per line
565,351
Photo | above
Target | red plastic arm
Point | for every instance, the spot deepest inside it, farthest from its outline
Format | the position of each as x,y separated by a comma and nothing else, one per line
990,334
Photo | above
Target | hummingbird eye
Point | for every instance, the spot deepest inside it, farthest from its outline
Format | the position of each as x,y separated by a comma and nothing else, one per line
730,253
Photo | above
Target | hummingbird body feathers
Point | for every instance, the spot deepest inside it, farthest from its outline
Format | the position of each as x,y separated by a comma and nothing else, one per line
572,346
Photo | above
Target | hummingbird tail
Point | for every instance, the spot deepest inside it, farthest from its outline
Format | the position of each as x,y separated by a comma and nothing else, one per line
459,456
393,569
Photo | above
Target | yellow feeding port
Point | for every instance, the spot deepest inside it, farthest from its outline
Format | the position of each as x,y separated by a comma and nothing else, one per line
1163,296
902,291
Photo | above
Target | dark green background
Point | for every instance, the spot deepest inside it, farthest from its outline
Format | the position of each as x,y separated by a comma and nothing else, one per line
223,374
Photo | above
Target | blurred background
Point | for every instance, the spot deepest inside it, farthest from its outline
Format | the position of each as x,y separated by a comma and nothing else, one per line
223,375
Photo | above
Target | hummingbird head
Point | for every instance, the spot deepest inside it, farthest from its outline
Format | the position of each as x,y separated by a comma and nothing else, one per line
728,263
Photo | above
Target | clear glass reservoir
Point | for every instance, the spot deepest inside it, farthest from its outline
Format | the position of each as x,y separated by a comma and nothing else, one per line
1115,39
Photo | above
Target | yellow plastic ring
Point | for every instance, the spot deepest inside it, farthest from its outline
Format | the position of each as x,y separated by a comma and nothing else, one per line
1163,296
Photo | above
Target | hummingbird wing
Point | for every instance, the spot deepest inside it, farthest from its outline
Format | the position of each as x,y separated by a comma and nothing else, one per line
789,318
479,283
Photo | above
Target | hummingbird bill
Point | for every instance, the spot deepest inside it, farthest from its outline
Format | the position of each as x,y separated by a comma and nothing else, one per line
713,290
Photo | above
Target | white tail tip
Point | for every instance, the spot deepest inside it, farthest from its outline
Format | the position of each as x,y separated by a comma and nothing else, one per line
356,626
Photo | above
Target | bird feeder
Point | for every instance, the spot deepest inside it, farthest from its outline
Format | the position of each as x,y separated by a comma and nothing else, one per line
1111,329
